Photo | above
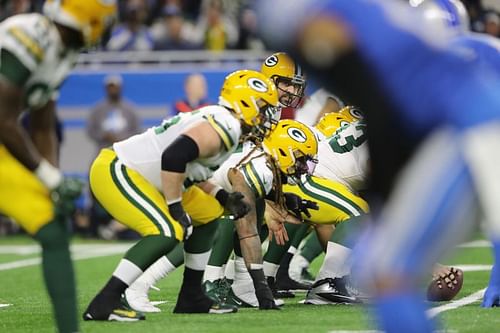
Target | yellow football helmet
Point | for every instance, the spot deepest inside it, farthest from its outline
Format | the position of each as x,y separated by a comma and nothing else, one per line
288,77
252,97
90,17
293,146
330,123
351,113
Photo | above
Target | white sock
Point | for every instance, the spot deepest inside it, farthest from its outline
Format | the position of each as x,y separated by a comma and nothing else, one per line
127,271
213,273
229,273
243,284
335,263
297,264
157,271
270,269
196,261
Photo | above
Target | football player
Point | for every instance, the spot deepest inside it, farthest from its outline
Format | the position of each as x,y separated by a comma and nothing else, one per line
420,135
37,52
251,171
146,182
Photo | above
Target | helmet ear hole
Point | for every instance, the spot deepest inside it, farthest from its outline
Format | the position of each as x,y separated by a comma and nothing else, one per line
244,103
282,152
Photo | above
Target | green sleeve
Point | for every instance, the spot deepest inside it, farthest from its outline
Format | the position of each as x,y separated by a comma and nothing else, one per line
13,69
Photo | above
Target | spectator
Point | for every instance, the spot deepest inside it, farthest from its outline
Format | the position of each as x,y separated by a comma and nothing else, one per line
132,34
492,23
216,30
248,38
113,119
195,88
172,32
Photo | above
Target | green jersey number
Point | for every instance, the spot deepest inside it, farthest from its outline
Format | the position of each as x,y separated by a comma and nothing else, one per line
342,143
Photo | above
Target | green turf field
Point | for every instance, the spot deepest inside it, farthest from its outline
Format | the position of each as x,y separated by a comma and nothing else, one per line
21,286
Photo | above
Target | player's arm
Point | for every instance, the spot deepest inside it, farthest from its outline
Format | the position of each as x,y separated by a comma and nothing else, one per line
13,75
43,131
198,141
246,228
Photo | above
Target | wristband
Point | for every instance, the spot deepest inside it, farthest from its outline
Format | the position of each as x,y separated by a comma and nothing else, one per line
175,209
49,175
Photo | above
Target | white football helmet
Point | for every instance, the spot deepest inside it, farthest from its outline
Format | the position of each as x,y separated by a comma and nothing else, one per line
450,13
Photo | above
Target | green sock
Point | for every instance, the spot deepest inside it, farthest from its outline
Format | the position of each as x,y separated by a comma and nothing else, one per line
345,232
223,245
149,249
58,274
176,255
312,247
202,238
274,251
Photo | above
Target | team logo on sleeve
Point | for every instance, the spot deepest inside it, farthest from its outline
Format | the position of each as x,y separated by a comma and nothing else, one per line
297,134
271,61
257,84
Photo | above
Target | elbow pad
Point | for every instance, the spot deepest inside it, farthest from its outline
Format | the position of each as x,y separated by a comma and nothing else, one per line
178,154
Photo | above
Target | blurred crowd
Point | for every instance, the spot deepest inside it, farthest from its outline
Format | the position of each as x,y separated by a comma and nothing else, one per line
145,25
204,24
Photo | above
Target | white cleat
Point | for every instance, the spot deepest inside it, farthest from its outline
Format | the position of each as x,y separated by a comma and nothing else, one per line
139,301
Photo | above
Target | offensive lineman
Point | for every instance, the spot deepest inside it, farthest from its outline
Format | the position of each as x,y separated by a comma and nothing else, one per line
146,182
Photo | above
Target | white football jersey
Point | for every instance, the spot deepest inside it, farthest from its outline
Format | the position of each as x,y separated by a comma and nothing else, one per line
35,42
343,157
142,152
257,173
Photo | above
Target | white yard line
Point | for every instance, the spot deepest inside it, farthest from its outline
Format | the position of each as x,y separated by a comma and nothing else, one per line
474,268
78,252
158,302
456,304
477,243
4,305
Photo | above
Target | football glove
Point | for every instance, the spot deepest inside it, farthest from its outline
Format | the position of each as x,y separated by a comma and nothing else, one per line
262,290
64,197
236,206
178,213
297,205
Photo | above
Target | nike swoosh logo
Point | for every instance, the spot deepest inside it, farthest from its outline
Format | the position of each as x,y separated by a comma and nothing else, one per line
237,302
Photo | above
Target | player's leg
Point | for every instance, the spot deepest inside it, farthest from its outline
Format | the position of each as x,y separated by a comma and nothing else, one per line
137,293
428,211
299,265
25,199
283,280
332,283
133,201
205,211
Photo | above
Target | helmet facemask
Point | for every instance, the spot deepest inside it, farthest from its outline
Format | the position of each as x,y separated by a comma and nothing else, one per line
291,91
265,122
303,165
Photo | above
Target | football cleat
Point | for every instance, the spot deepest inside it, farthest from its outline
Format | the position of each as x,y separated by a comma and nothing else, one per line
217,290
330,291
232,299
201,304
101,309
139,301
277,294
285,282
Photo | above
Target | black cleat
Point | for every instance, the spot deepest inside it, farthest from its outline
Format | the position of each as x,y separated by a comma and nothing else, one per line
102,309
330,291
285,282
201,304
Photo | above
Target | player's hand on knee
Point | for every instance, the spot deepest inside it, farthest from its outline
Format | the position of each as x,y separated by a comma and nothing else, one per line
297,205
177,212
236,205
64,196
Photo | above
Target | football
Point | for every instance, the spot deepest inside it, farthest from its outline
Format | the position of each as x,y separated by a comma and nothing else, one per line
446,285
